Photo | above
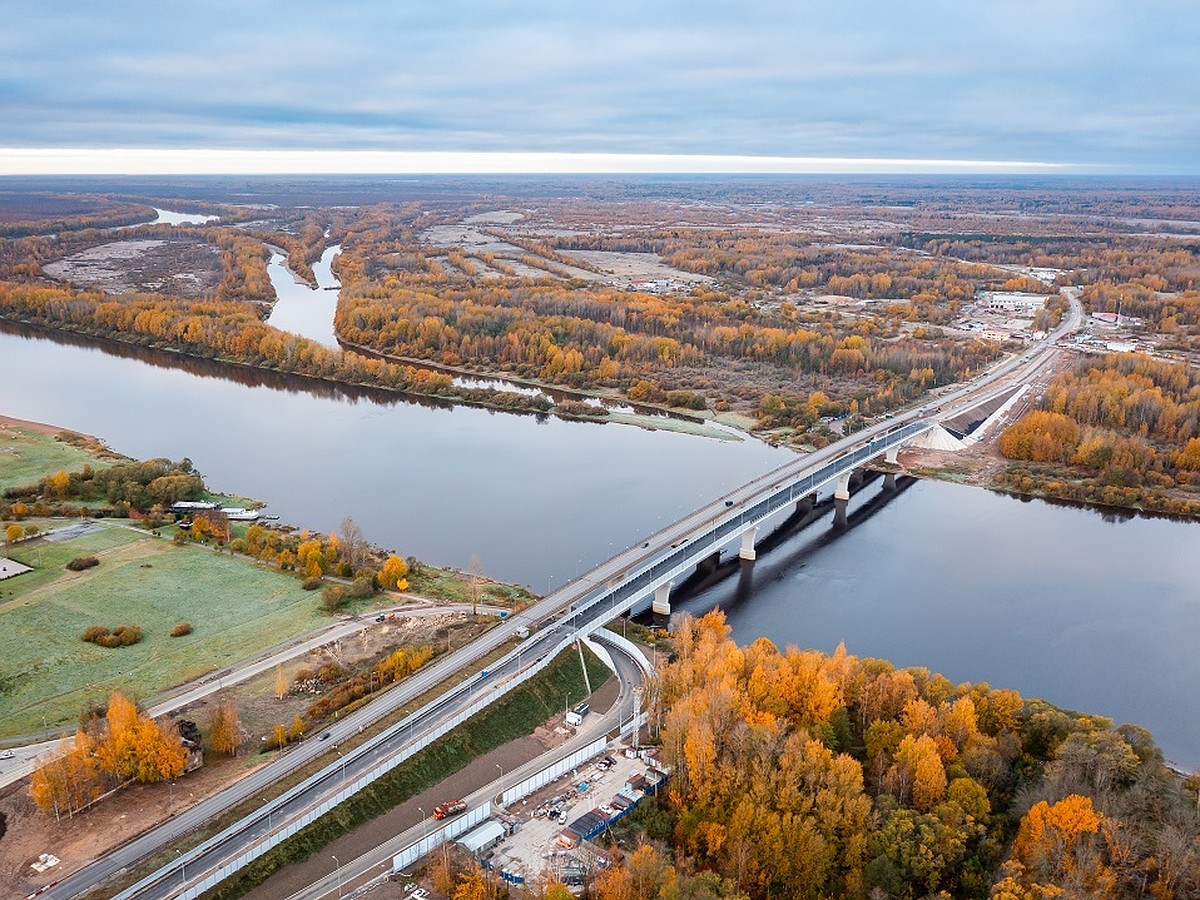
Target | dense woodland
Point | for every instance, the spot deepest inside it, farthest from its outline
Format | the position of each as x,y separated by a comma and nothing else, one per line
1122,430
804,775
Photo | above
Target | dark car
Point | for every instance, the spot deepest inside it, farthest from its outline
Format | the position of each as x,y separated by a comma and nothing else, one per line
324,737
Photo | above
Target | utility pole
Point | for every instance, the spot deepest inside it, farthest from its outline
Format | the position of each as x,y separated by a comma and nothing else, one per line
587,681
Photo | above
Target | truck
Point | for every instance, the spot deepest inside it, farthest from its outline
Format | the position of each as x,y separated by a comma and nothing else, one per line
575,716
449,808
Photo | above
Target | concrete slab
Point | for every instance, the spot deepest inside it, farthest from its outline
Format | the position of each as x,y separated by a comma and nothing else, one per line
10,568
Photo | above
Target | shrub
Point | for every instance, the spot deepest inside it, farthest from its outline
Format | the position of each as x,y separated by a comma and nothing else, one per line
363,586
93,633
121,636
333,597
311,584
127,635
79,563
181,629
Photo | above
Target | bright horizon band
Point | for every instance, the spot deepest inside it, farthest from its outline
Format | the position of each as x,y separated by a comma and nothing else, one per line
196,161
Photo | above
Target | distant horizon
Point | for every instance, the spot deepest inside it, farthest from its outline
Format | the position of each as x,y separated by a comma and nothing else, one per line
100,162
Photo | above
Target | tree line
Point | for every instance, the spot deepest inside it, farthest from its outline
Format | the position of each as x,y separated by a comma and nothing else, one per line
1124,429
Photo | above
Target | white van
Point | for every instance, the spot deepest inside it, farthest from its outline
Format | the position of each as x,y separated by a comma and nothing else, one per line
575,716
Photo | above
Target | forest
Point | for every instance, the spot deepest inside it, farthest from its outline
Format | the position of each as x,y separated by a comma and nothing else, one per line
1123,430
799,774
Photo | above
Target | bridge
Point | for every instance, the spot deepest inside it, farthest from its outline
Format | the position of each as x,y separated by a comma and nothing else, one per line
624,583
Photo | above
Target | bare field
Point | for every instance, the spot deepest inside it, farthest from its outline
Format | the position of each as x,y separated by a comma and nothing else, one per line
647,266
188,268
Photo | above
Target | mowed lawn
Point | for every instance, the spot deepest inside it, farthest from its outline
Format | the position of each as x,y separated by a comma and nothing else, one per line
28,456
236,607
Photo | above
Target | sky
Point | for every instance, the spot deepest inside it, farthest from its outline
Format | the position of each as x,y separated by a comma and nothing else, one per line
1104,86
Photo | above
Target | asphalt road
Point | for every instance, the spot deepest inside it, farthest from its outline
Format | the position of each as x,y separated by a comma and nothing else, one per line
371,863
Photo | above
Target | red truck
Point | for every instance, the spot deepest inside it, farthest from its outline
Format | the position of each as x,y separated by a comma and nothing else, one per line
449,808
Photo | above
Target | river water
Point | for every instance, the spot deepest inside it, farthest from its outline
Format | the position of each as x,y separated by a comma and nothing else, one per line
167,217
537,499
301,308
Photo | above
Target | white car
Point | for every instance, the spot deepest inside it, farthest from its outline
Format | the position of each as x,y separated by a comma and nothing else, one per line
8,754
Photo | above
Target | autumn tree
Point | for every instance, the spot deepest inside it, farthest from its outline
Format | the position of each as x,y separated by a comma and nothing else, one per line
67,779
225,732
1054,840
281,683
59,484
392,575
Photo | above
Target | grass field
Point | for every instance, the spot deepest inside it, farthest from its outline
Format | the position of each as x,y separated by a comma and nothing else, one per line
27,456
236,607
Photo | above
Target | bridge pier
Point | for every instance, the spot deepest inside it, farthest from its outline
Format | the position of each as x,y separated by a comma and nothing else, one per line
893,455
889,482
841,499
747,551
806,504
662,600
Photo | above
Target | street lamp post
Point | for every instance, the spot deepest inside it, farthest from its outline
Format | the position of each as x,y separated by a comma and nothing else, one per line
182,870
338,870
343,759
270,827
501,768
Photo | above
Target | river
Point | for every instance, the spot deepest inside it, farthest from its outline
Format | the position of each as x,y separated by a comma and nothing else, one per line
537,499
301,308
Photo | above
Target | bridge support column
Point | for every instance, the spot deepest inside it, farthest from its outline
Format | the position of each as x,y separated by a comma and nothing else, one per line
842,491
805,504
662,600
893,455
889,482
841,499
747,551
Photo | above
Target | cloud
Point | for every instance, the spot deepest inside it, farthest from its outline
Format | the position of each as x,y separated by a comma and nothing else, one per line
1102,83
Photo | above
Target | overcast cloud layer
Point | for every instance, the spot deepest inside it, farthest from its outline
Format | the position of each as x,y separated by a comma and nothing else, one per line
1109,85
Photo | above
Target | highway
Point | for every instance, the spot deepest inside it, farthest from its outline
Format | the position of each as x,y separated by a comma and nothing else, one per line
578,607
630,675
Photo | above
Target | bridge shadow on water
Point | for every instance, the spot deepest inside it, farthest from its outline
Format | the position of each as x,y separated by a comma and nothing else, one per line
767,569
